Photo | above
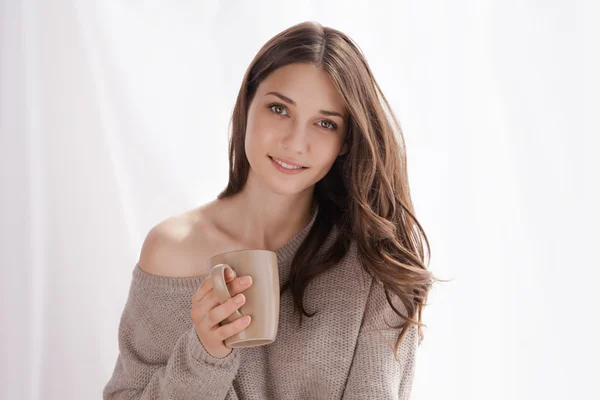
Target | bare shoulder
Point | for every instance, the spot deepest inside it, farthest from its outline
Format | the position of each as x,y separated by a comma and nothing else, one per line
180,245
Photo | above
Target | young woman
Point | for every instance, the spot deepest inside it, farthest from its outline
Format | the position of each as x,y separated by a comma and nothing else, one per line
317,173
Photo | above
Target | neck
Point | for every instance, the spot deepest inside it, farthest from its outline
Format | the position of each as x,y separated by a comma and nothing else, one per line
267,220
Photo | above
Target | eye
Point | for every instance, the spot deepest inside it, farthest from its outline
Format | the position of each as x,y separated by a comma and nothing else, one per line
331,125
272,105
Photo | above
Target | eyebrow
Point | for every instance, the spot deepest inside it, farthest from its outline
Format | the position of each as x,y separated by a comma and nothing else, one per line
324,112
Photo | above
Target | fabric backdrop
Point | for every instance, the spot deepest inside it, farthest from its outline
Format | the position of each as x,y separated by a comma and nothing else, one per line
114,115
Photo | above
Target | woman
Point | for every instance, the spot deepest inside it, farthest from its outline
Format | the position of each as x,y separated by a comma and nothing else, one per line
318,175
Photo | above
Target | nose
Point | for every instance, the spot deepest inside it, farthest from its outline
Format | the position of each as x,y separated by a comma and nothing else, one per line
296,140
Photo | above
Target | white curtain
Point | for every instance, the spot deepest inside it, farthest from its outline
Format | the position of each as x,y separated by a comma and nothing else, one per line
114,115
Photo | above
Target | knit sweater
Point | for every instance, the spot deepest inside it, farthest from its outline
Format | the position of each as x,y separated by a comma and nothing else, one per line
345,351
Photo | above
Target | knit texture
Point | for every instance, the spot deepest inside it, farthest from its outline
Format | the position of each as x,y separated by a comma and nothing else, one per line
344,352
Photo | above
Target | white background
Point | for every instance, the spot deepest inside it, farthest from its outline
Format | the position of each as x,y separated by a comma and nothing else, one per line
114,115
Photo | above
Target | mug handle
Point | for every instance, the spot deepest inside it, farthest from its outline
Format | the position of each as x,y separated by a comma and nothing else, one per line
217,274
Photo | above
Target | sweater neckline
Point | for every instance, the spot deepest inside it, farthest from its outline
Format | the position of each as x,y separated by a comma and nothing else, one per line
288,250
284,256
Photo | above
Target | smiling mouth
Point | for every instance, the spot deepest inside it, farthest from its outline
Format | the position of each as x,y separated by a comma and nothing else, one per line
285,165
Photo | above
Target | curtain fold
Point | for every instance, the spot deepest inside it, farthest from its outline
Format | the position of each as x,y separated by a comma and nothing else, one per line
115,115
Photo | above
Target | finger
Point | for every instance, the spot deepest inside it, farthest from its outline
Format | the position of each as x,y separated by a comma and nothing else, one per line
219,313
229,276
240,284
237,285
201,309
207,284
228,330
210,300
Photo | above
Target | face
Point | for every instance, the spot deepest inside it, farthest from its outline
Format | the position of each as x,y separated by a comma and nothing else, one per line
293,119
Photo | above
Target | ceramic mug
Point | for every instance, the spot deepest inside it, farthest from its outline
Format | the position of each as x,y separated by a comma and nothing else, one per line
262,297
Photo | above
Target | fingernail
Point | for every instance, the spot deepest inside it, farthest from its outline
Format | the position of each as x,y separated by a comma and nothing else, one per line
245,280
239,298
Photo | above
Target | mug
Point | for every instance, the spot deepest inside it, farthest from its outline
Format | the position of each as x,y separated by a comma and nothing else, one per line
262,297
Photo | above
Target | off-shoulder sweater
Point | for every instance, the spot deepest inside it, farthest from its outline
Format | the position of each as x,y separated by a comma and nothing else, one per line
345,351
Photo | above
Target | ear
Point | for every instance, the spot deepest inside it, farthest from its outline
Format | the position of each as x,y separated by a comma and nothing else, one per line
344,149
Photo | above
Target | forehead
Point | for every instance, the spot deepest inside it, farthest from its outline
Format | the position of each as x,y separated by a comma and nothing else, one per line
305,84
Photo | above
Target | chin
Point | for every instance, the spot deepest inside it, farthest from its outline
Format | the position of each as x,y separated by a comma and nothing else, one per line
284,188
283,185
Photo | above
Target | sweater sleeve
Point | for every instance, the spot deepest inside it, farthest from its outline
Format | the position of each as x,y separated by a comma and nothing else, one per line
160,355
375,373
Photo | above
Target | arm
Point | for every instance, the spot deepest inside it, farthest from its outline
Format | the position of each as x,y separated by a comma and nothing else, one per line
145,370
374,373
160,356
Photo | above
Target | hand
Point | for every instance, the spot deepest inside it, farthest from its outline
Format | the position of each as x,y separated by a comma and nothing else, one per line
207,313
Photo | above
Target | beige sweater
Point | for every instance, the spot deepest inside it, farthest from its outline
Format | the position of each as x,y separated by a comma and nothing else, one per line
343,352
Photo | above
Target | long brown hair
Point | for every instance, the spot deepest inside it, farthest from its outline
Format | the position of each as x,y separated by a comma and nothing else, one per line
366,192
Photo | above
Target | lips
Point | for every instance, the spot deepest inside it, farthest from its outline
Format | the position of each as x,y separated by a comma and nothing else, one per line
288,162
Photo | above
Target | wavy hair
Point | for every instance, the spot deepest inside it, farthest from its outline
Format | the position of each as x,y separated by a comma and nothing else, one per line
366,192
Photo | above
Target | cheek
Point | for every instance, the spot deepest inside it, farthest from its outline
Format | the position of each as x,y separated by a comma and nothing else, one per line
259,135
327,149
